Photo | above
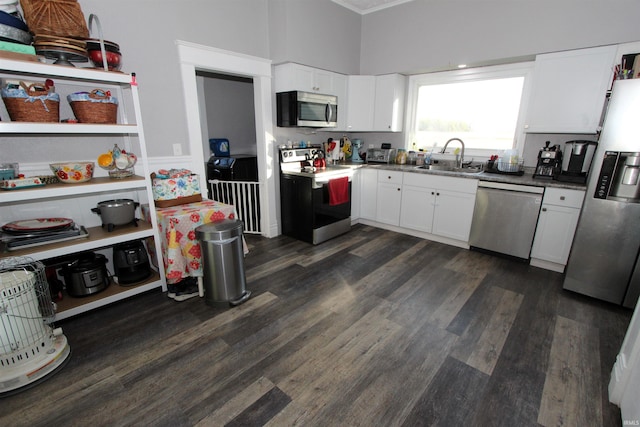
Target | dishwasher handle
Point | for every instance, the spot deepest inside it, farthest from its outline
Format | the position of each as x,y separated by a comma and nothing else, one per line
511,187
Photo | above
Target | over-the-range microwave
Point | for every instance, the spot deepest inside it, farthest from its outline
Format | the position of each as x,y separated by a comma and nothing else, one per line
305,109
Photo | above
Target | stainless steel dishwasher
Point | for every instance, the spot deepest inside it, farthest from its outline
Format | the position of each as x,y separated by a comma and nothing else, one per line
505,218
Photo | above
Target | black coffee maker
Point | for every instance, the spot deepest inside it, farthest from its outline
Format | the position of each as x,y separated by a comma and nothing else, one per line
576,164
131,262
549,162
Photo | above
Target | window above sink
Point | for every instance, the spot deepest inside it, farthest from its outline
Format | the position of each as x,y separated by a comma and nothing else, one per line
481,106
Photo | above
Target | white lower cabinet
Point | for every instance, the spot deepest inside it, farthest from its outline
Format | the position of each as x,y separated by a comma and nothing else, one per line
556,227
438,205
417,208
389,197
368,193
355,195
452,214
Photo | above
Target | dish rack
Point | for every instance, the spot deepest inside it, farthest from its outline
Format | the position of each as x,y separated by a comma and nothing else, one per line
505,167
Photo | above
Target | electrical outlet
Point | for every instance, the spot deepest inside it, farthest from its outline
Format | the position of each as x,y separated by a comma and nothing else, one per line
177,150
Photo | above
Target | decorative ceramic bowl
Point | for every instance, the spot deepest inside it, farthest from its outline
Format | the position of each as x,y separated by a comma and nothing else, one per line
73,172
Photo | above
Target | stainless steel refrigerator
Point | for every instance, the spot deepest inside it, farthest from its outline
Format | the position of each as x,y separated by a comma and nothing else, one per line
604,257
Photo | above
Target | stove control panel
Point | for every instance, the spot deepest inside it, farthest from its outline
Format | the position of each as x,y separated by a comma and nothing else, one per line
291,155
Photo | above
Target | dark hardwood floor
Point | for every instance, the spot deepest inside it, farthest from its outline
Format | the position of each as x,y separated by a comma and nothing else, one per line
372,328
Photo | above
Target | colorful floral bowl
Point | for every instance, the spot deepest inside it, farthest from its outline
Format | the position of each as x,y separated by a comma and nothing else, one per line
73,172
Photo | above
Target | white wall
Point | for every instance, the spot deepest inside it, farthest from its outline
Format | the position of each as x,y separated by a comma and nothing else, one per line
318,33
146,31
230,113
414,36
426,35
314,32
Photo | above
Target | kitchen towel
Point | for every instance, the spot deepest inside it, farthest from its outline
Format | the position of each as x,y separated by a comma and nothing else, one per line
338,191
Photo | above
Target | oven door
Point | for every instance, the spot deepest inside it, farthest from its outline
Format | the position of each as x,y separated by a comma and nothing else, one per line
306,212
324,212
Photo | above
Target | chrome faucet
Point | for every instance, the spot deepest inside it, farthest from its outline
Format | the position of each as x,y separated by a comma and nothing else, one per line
461,161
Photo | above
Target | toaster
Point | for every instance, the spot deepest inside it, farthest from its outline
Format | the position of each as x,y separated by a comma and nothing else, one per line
381,155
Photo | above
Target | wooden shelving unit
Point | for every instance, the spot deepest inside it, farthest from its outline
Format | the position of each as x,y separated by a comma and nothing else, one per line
129,135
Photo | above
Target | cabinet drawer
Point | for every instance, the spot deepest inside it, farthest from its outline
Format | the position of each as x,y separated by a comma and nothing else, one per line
563,197
392,177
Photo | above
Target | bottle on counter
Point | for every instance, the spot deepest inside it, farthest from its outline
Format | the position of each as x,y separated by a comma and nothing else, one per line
401,157
411,158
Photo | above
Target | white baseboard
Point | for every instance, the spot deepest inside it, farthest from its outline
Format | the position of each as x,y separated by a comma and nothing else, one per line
547,265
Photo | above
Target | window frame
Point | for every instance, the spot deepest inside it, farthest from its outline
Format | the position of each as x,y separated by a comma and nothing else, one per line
521,69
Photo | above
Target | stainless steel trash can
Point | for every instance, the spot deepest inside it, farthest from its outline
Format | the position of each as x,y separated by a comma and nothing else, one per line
223,263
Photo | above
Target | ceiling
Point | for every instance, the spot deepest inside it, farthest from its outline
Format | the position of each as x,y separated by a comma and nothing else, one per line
367,6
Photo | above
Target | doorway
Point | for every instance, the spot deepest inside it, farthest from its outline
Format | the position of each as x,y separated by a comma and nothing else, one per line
229,111
196,59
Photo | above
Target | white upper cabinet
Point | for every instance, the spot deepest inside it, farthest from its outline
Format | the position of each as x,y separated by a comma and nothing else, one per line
569,90
360,101
292,76
339,85
365,103
389,104
376,103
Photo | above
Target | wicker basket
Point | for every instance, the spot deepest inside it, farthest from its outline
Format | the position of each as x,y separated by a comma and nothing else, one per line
34,104
63,18
95,107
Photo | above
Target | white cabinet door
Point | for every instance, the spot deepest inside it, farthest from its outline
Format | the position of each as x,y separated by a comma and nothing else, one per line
453,214
360,102
339,86
323,82
389,197
389,103
416,211
554,234
438,205
557,224
569,90
375,103
292,76
368,193
355,195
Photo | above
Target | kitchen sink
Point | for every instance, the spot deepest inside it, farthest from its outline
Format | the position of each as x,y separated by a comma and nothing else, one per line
467,169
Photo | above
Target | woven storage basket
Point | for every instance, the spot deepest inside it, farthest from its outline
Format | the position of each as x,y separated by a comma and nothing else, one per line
95,107
63,18
34,104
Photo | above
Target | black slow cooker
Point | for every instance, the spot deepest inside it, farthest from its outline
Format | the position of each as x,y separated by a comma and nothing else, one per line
86,275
